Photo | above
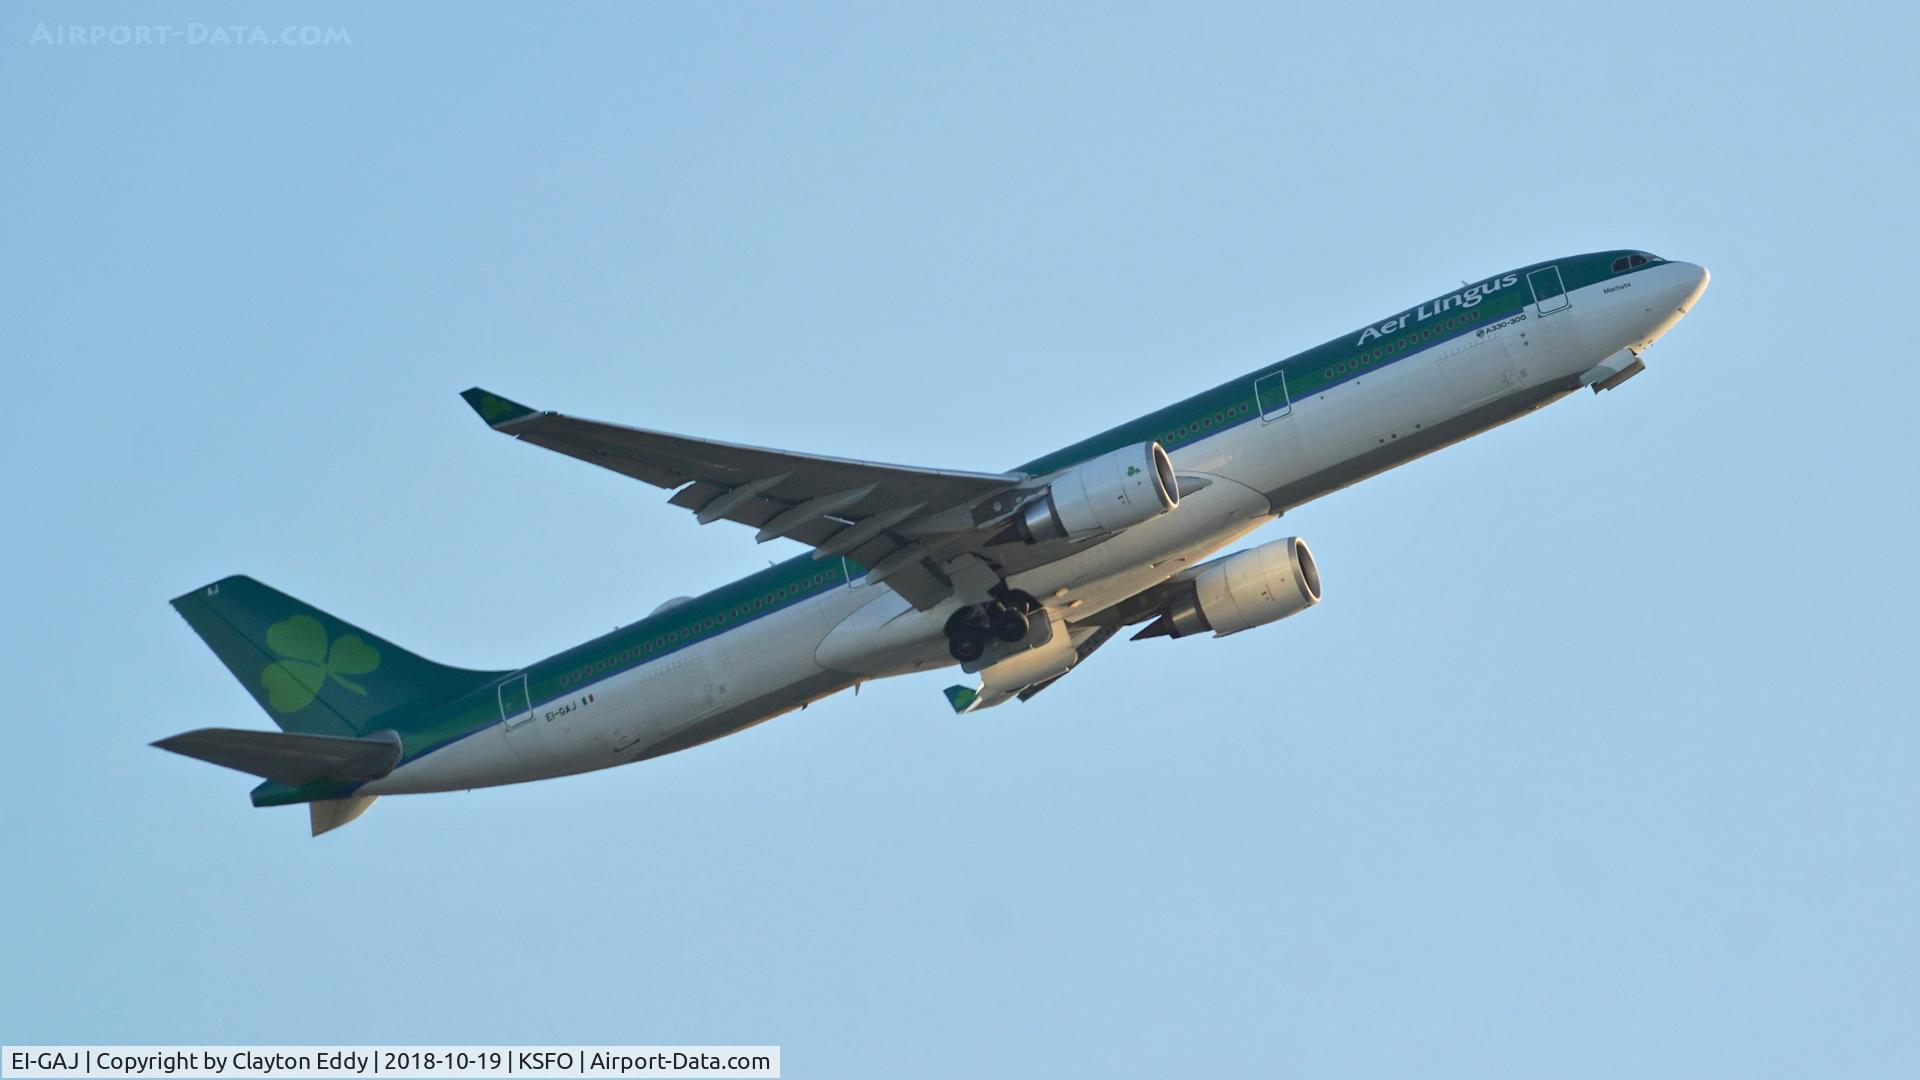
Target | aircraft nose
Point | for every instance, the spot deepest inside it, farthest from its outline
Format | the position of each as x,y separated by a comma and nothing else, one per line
1693,282
1673,289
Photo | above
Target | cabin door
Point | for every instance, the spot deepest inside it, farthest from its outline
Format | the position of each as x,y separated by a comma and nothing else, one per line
515,709
1549,292
1270,393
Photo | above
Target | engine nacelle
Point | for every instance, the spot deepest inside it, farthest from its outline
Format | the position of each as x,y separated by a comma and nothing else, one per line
1247,589
1101,497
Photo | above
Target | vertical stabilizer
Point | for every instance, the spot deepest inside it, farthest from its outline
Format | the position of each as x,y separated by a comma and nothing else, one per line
327,815
314,673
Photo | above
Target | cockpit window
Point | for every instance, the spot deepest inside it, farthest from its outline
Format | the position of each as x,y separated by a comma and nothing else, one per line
1638,258
1619,264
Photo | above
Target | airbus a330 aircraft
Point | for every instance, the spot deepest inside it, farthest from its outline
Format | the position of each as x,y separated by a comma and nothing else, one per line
1016,576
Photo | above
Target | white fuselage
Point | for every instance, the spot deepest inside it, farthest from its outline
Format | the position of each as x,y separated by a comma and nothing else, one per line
1243,477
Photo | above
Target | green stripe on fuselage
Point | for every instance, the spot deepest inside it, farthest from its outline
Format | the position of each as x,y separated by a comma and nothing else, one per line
1316,370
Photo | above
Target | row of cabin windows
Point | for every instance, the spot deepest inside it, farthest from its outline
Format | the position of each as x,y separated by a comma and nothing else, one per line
1399,344
1242,408
1206,423
1624,262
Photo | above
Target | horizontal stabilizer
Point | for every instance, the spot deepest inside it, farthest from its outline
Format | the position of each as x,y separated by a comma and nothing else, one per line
288,758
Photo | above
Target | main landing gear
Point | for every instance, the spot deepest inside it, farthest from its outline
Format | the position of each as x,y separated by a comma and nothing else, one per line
1004,619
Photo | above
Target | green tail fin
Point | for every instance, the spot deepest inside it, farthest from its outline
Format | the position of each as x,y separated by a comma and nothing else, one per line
315,674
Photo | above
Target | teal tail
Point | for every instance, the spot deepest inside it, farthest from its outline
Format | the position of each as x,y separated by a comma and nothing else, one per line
343,698
315,674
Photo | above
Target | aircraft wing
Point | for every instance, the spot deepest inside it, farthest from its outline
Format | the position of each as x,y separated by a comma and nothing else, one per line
902,523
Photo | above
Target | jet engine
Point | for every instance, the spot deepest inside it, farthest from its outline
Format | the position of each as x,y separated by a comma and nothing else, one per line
1103,496
1246,589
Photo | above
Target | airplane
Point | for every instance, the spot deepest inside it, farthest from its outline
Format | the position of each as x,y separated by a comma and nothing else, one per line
1017,577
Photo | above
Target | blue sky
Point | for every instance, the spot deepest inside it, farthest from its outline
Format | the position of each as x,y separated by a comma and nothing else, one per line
1597,761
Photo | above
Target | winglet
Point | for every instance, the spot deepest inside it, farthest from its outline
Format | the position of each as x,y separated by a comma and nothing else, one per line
495,410
961,698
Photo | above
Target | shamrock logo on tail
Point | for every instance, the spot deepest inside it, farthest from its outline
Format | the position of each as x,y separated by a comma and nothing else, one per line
309,661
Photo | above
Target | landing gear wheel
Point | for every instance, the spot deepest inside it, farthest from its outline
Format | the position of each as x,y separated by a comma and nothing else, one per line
967,645
1008,625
